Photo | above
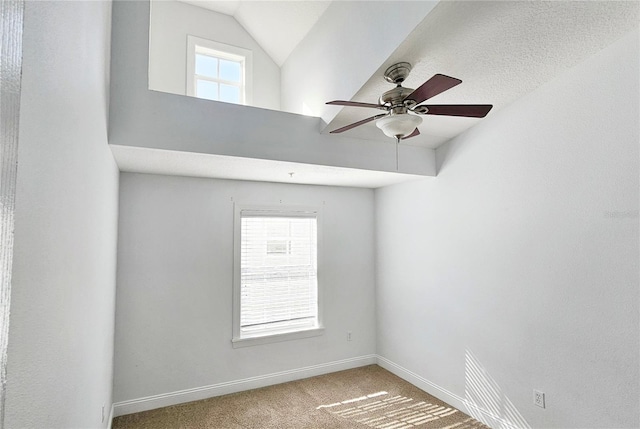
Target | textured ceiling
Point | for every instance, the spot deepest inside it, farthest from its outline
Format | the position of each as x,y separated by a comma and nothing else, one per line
173,163
501,50
277,26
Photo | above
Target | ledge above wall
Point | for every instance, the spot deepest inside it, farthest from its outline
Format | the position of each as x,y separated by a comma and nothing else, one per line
175,163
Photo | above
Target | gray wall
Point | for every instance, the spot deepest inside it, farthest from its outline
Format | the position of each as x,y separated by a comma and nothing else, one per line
350,41
517,267
175,271
60,359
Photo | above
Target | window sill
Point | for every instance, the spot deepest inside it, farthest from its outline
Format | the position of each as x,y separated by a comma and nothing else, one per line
285,336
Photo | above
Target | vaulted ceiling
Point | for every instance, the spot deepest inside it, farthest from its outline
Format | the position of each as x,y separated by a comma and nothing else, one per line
501,50
278,26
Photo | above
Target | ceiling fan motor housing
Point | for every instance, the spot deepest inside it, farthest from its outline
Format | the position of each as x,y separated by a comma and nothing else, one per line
395,99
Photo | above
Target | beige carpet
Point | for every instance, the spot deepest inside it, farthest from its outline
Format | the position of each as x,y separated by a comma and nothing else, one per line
367,397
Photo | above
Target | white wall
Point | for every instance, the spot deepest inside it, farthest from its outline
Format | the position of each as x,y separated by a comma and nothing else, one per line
517,267
348,44
172,21
175,271
60,359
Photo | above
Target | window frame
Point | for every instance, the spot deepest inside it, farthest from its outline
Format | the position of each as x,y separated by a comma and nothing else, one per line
280,210
198,45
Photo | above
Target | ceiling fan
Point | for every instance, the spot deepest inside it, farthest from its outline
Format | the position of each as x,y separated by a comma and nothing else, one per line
402,104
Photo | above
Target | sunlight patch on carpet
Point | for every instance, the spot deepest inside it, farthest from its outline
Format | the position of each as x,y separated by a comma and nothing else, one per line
380,410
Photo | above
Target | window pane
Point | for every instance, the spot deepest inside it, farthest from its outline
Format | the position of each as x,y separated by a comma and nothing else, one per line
230,70
229,93
206,89
206,65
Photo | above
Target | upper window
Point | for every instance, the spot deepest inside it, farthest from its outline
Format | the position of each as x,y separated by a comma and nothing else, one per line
276,293
217,71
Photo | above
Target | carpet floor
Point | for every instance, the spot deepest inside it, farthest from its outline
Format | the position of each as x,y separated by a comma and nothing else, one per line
366,397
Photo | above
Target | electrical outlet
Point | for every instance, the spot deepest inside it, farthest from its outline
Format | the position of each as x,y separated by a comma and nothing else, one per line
349,336
538,398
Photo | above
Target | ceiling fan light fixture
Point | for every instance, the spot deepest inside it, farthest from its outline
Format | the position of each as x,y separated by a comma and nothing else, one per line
399,125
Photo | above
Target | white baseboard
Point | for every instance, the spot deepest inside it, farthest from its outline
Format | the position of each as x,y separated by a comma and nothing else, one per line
204,392
111,417
443,394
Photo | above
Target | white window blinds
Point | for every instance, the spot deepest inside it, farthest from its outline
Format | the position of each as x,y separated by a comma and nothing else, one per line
278,273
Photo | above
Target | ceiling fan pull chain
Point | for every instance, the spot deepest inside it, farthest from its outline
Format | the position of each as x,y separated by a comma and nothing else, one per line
397,153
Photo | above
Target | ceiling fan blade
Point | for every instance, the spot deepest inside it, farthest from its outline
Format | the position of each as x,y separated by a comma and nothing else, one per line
434,86
356,124
415,132
354,104
467,110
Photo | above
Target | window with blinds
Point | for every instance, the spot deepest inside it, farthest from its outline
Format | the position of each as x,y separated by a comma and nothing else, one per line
278,281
